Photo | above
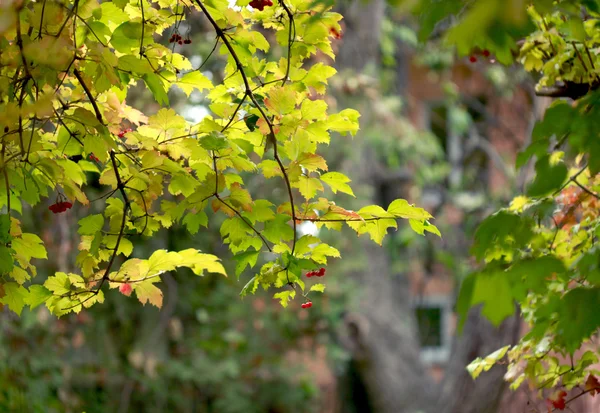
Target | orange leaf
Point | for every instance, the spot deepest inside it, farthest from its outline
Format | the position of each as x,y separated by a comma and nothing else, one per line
592,385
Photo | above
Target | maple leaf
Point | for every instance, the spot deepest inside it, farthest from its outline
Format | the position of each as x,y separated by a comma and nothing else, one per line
592,385
557,400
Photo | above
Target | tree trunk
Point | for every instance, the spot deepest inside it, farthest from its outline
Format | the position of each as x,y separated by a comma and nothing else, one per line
459,393
383,339
382,336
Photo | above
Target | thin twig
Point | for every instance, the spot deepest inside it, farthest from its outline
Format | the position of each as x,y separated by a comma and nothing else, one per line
250,94
89,95
6,182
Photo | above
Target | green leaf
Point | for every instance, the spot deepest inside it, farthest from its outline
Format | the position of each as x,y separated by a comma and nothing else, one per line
278,229
499,235
5,236
193,221
244,260
134,64
91,224
318,288
162,260
421,226
199,262
532,274
479,365
157,88
59,283
285,297
194,80
214,141
14,297
308,187
29,246
337,182
402,209
281,100
250,287
127,36
6,260
166,120
345,121
493,290
548,178
38,294
577,318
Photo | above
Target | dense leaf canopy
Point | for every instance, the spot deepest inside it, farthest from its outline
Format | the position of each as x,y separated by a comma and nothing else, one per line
540,252
65,74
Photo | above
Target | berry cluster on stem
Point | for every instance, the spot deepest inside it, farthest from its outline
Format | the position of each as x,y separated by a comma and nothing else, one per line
316,273
60,206
485,53
260,4
122,133
176,38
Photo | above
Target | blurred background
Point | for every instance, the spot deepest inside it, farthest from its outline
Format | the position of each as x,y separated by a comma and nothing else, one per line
440,131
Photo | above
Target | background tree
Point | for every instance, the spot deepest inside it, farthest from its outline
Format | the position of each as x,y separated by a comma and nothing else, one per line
66,137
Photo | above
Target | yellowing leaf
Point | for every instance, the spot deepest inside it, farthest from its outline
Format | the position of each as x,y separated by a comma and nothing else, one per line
345,121
194,80
281,100
308,187
14,296
337,182
147,292
285,297
312,162
402,209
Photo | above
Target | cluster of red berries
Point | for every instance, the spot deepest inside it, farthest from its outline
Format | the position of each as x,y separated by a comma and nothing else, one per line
123,132
316,273
485,52
260,4
307,304
59,207
176,38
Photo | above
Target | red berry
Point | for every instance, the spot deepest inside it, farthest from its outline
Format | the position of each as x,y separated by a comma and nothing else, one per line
59,207
180,42
307,304
260,4
472,59
486,53
125,289
187,41
321,272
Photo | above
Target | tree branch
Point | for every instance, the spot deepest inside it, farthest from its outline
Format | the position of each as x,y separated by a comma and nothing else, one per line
89,95
250,94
